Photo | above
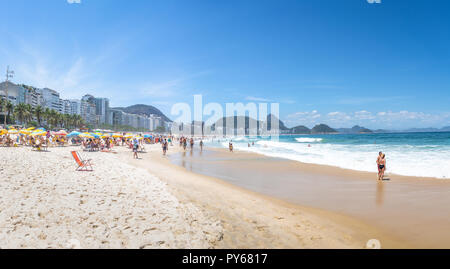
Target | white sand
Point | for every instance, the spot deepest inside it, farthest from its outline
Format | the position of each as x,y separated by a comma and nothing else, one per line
45,203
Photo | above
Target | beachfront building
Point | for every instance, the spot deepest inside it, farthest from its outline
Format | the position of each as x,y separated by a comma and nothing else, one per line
101,109
155,122
88,109
49,99
75,107
33,97
16,93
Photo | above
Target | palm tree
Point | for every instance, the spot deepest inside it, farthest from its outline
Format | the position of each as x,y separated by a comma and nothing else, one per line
21,112
9,109
46,115
29,112
38,112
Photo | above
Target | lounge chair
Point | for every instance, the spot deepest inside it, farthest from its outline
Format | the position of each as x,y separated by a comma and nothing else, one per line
83,165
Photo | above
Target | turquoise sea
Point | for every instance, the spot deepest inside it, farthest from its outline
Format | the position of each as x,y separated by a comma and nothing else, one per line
410,154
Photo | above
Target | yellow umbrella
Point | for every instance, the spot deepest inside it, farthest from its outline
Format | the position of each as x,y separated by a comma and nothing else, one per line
26,132
117,135
31,128
38,133
13,131
3,131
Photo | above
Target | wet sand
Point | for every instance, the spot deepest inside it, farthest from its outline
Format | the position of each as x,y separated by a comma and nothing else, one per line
254,220
415,211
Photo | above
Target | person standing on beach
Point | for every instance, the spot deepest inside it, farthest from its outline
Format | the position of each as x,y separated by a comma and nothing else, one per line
184,143
135,148
165,146
380,156
382,167
201,145
230,146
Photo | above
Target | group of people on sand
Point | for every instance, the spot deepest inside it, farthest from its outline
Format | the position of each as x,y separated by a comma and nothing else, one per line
37,142
381,163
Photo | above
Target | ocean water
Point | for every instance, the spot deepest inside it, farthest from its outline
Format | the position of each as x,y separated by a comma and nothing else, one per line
409,154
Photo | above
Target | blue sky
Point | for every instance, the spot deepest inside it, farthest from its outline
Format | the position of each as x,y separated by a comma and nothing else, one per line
342,63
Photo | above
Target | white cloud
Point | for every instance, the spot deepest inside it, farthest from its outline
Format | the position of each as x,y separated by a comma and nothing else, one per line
375,120
74,1
257,99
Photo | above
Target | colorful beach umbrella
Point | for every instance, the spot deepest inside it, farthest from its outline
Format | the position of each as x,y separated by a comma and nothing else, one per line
74,133
13,131
38,133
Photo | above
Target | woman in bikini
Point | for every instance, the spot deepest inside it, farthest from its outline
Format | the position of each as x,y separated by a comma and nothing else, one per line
382,167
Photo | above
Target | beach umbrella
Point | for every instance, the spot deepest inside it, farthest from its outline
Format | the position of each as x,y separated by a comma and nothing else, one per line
62,133
128,135
42,129
117,135
26,132
13,131
38,133
95,135
147,136
3,131
31,129
74,133
86,135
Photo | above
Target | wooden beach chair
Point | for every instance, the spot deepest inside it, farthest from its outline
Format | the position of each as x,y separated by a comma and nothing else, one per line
83,165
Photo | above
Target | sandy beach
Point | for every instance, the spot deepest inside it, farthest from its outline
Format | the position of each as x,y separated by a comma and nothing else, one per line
44,203
177,201
147,203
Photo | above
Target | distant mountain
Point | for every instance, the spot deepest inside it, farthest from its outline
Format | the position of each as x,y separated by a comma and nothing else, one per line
281,125
382,131
445,129
322,129
300,130
144,109
354,130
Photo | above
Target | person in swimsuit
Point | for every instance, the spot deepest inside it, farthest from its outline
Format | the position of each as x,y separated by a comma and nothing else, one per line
380,155
382,166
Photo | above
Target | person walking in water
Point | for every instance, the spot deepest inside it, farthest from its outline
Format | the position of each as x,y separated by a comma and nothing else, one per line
191,142
184,143
201,145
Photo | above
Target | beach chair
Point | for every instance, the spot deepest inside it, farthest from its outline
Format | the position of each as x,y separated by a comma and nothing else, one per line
83,165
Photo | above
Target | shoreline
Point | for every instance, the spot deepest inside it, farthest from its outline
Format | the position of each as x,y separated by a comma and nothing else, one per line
255,220
411,208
